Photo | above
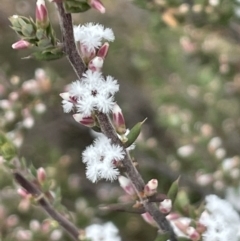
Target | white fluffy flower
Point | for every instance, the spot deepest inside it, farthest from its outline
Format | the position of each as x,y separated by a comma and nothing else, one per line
93,92
101,158
91,35
221,220
106,232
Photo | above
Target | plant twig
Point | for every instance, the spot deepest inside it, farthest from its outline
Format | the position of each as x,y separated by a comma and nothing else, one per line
68,41
39,197
107,128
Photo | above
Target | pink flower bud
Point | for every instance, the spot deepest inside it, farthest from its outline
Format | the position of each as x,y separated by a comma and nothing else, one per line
85,52
41,14
165,206
23,193
103,50
151,187
86,121
21,44
118,120
96,4
96,64
193,234
41,175
126,185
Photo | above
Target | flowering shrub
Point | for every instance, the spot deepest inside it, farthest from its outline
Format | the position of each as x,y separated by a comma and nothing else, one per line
91,101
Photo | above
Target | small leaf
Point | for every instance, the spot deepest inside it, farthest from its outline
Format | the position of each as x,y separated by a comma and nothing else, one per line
28,30
173,190
46,55
40,33
33,170
44,43
133,134
76,7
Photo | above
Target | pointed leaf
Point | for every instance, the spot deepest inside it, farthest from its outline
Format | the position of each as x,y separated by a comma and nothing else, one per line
133,134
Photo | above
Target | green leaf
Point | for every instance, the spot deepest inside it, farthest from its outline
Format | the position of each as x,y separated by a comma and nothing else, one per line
133,134
47,55
44,43
28,30
76,7
40,33
33,170
173,190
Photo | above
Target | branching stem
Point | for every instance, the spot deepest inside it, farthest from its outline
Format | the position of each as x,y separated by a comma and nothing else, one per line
106,126
39,197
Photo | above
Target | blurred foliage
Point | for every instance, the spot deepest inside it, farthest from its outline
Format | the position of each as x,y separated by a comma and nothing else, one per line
178,64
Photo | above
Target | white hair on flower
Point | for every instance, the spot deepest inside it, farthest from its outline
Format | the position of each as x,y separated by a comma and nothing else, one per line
91,35
100,159
93,92
105,232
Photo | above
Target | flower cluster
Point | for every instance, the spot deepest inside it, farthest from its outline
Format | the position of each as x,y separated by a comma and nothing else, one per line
222,222
90,36
106,232
101,159
92,92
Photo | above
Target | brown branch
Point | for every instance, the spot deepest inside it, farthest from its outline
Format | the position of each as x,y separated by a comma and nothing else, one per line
68,41
39,197
107,128
122,207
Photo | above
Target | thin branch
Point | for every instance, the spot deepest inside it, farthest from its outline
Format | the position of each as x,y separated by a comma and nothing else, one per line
107,128
122,207
39,197
68,41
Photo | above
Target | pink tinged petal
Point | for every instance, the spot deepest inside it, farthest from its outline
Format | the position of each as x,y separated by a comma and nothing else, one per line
126,185
151,187
41,13
96,4
193,234
165,206
118,119
23,193
96,64
103,50
86,121
21,44
41,175
87,53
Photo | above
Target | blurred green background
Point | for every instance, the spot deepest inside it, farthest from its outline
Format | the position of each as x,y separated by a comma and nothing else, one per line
178,64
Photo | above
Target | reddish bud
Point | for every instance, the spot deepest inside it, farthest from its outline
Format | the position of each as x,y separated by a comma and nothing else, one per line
165,206
103,50
96,64
85,52
41,14
21,44
96,4
193,234
126,185
86,121
118,120
151,187
41,175
23,193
